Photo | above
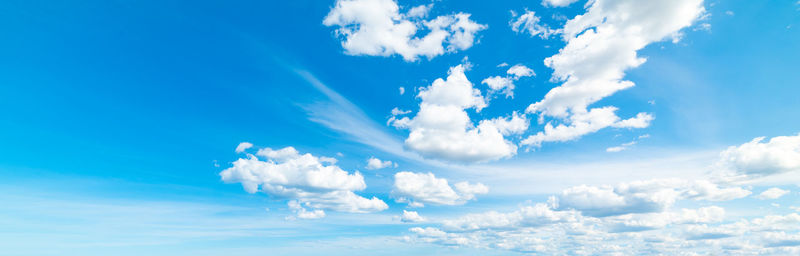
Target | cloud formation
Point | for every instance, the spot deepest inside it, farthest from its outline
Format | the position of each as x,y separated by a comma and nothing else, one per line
411,216
759,158
772,193
378,28
418,189
529,23
505,84
442,128
601,45
304,179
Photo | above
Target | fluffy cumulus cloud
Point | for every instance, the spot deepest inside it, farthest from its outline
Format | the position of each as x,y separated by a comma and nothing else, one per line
601,45
443,129
759,158
411,216
418,189
529,23
505,84
378,28
772,193
374,164
305,180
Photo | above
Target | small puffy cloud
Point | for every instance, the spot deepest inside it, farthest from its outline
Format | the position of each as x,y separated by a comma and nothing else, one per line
443,129
557,3
520,70
411,216
505,84
424,188
530,23
310,181
374,164
402,90
243,146
772,193
378,28
500,83
759,158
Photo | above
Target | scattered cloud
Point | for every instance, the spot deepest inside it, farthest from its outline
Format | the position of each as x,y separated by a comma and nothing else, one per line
505,84
243,146
378,28
304,179
772,193
530,23
411,216
418,189
402,90
375,163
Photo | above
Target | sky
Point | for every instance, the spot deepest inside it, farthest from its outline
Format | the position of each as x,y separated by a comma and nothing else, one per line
397,127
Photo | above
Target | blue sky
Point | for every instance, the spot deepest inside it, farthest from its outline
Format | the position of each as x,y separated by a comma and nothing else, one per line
121,121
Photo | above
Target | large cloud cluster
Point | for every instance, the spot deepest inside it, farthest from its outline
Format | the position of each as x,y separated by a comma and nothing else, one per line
601,45
377,28
443,129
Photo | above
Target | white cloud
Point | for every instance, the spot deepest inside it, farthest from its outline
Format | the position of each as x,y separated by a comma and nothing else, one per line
443,129
647,196
397,112
411,216
505,84
311,181
516,124
601,45
757,158
582,123
374,164
529,22
425,188
526,216
772,193
301,212
402,90
377,28
520,70
420,11
243,146
557,3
